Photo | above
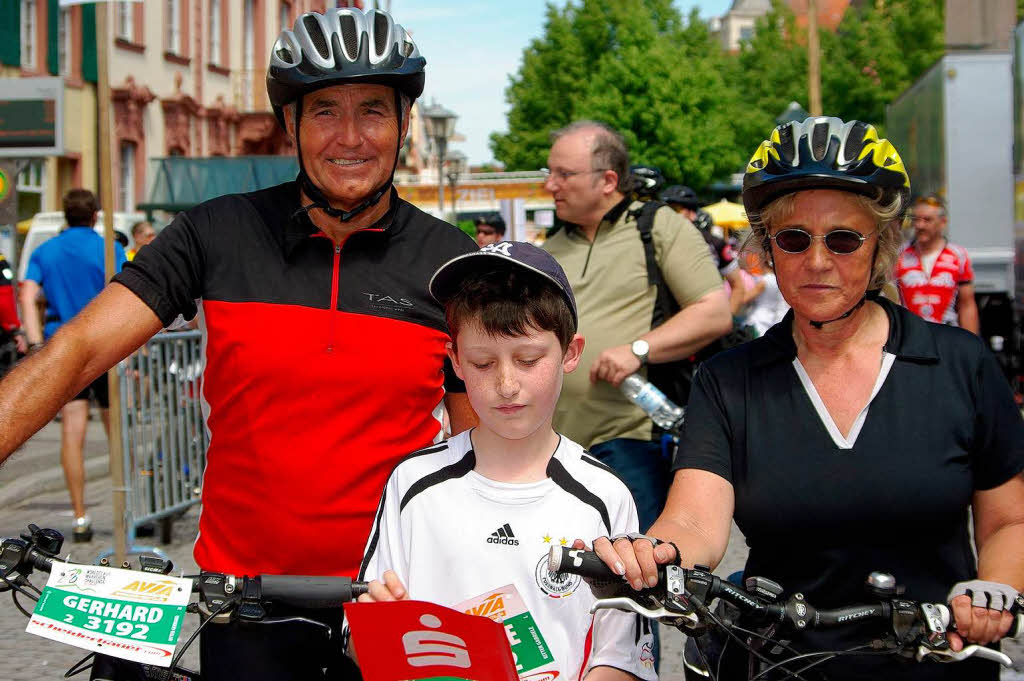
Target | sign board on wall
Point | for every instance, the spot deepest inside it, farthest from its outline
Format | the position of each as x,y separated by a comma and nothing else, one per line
31,117
426,194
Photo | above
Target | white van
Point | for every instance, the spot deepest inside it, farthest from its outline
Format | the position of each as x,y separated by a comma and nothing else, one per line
48,225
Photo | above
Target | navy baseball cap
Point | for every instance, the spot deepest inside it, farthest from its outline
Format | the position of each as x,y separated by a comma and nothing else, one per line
504,255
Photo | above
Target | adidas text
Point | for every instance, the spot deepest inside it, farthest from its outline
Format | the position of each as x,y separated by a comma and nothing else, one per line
504,536
503,540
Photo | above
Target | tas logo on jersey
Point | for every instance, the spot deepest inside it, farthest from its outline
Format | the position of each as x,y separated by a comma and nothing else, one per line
504,536
382,300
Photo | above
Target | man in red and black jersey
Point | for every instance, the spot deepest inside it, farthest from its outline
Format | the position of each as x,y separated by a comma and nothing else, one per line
325,353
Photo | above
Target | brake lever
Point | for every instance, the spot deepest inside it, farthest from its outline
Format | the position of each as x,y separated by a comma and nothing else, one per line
661,614
972,650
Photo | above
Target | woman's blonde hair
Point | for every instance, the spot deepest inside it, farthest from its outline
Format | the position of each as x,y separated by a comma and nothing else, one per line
887,217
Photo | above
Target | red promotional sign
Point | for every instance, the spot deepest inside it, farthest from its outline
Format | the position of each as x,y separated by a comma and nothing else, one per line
407,640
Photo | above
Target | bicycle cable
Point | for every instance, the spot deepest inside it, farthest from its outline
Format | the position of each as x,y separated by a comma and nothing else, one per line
732,636
77,669
19,588
177,656
826,655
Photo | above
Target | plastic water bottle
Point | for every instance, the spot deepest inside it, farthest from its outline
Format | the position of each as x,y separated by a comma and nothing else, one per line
662,410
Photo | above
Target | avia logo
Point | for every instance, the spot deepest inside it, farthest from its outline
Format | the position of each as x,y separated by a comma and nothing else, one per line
148,591
493,608
503,535
502,247
379,299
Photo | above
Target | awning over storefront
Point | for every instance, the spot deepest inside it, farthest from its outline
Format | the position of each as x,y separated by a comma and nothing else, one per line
180,182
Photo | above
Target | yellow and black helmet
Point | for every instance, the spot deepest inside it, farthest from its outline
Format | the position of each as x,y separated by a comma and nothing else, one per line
823,152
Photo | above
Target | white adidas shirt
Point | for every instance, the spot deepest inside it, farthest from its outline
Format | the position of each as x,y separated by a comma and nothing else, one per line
451,535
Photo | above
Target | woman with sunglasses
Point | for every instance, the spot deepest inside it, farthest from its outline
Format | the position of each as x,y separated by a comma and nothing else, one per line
853,436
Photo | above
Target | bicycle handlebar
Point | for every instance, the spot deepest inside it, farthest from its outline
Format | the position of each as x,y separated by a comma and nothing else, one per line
37,551
682,598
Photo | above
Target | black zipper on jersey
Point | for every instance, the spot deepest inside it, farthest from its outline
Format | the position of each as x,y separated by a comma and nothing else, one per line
335,276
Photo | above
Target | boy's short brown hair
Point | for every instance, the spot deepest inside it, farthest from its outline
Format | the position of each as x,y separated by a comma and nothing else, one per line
509,303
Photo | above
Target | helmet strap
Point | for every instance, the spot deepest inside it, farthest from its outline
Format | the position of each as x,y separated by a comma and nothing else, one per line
860,303
318,198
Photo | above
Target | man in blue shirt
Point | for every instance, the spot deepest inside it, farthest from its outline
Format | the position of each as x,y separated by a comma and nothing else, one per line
69,269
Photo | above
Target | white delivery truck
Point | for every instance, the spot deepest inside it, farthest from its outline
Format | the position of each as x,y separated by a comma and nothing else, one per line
955,130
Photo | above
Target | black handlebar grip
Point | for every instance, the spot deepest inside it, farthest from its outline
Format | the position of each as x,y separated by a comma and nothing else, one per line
310,592
580,562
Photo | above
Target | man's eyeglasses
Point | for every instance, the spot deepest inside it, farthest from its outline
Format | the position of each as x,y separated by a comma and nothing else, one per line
563,175
839,241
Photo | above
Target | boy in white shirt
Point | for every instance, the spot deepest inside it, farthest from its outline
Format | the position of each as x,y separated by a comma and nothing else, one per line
461,522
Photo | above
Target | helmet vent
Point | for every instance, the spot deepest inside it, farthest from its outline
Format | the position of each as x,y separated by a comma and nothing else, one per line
855,141
380,32
316,36
407,45
350,36
819,141
787,150
284,54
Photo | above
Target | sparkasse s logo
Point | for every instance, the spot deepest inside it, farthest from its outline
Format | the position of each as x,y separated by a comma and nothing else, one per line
504,536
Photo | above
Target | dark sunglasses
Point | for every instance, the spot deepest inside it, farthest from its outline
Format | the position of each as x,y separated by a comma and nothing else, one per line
839,241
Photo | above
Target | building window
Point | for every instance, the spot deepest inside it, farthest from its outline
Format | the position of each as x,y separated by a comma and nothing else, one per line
746,33
28,34
127,180
215,32
126,20
174,26
64,42
31,184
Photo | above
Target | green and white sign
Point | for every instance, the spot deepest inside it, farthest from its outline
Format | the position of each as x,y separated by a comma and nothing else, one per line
506,606
122,613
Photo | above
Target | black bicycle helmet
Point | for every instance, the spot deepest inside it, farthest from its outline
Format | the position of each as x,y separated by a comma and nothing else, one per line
824,153
647,181
680,195
342,45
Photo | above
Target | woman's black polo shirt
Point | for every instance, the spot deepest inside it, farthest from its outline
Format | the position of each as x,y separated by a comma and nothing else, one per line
818,519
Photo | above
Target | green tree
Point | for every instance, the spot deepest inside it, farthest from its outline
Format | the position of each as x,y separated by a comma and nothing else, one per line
877,53
685,106
771,71
636,65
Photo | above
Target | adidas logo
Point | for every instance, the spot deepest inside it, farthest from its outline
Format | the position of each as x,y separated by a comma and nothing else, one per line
503,535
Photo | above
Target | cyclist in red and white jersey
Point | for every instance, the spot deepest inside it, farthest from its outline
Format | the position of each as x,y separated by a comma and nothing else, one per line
935,277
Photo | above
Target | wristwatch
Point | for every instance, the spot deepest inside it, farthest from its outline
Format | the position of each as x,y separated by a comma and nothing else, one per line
641,349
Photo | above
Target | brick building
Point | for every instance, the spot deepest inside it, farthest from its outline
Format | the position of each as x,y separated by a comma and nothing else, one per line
186,77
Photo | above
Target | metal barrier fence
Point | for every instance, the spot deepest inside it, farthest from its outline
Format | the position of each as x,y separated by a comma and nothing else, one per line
163,435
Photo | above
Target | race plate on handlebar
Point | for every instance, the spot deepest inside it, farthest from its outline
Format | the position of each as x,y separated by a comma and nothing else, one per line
121,613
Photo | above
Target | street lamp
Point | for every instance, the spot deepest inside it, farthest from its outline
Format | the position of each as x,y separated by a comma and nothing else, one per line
440,124
457,164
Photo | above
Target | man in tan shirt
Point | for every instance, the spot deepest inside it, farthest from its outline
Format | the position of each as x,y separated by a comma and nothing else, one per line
603,256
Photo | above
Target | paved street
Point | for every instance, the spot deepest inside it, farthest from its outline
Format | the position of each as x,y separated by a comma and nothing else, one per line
27,658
